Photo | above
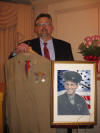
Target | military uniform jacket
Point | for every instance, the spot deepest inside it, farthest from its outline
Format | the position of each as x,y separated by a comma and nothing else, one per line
28,94
66,108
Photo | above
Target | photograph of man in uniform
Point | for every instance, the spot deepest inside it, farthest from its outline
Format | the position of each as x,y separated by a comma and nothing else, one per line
71,103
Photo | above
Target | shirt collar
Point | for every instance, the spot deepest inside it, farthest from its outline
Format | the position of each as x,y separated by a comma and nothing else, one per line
48,42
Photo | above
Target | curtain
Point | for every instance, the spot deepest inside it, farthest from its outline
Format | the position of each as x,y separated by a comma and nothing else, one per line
16,25
8,23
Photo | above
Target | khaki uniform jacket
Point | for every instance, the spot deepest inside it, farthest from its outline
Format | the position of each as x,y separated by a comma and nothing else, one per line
28,98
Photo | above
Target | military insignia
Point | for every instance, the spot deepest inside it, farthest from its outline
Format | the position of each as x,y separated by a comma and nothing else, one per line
19,61
36,77
43,77
40,76
79,106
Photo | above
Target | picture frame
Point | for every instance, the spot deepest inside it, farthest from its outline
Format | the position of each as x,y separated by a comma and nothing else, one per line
61,113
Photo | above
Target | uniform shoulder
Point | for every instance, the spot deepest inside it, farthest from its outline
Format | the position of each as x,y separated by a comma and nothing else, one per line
64,95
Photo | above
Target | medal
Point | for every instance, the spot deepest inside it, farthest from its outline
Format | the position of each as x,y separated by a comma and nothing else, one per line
39,76
36,77
43,77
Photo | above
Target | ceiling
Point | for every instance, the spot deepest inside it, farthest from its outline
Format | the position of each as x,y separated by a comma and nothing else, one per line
19,1
31,1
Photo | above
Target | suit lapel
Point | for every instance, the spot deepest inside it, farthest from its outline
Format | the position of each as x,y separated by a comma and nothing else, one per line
38,48
55,49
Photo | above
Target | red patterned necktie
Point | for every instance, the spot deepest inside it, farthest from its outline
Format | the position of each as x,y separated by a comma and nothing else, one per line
46,51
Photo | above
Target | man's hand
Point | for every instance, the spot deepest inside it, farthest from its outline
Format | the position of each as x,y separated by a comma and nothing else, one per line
22,48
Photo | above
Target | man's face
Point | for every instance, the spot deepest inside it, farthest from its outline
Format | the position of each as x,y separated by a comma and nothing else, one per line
44,28
70,87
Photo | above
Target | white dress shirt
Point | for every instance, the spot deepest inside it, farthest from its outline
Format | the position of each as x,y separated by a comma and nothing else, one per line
50,48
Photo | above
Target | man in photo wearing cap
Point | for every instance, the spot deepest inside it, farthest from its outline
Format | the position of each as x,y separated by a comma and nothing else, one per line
71,103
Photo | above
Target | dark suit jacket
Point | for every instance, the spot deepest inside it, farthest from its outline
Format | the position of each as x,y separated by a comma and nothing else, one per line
62,49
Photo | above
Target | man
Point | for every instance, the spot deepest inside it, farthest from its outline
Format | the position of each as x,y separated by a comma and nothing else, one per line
71,103
43,27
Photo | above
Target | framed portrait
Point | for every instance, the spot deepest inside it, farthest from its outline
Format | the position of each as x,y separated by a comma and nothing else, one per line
73,95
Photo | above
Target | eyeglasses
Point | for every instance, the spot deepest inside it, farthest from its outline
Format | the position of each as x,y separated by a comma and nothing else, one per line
41,24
